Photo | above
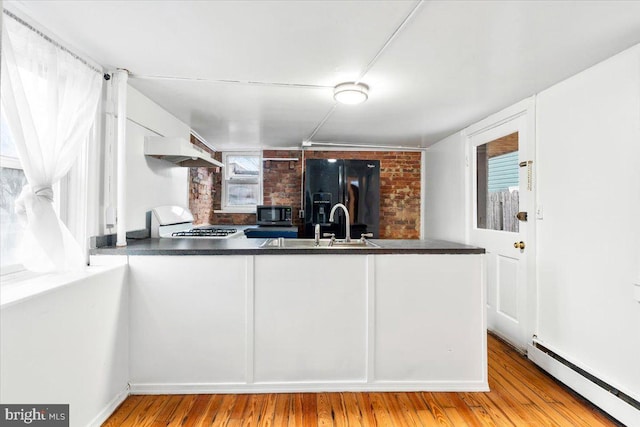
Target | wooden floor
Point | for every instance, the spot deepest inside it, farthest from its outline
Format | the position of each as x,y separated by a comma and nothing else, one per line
521,395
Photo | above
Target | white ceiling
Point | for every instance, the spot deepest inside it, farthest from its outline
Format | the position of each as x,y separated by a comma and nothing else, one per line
452,64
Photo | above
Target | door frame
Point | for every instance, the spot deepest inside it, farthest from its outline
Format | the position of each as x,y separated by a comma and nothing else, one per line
525,112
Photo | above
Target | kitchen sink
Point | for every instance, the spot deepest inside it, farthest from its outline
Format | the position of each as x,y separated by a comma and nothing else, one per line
311,244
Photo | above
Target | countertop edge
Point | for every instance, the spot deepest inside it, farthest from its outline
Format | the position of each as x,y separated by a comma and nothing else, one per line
223,252
188,247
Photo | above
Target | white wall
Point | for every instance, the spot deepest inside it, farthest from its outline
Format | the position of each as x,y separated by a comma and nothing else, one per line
68,345
588,142
150,182
588,186
444,169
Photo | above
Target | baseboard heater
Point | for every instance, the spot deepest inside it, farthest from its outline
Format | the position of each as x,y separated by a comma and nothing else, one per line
606,386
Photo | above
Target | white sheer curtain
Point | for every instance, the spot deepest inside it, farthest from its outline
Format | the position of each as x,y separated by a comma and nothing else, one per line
49,97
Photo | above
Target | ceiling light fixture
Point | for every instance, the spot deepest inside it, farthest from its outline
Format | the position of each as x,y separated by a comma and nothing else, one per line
351,93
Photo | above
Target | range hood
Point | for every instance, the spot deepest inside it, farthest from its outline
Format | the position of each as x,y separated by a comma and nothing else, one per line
178,151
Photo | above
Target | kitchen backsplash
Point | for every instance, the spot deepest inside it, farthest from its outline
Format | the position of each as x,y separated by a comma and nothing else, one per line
399,188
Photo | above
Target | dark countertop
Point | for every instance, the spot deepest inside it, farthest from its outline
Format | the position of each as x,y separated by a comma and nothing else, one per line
252,247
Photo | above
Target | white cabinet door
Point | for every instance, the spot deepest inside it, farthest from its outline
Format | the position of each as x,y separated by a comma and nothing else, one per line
429,319
310,318
188,319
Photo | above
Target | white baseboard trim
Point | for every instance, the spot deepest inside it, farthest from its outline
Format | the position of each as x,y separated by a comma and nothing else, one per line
110,408
291,387
600,397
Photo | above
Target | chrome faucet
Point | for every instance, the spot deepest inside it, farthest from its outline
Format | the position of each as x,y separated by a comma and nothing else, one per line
316,235
347,231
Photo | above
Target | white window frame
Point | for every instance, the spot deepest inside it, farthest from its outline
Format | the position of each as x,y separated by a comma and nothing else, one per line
71,199
226,179
61,204
11,163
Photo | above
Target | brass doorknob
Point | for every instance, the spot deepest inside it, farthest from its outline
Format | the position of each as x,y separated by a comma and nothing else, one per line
519,245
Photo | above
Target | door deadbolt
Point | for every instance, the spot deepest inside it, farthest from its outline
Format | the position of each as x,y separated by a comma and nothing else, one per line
519,245
522,216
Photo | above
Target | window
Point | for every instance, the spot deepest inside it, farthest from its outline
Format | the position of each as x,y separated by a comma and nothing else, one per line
12,180
69,200
242,184
54,96
498,184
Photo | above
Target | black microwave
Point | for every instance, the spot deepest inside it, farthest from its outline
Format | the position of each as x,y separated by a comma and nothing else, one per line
273,215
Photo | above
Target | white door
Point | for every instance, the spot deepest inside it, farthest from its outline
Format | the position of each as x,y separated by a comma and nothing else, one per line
501,166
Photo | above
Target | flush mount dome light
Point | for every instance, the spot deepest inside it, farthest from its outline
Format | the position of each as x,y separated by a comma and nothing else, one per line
351,93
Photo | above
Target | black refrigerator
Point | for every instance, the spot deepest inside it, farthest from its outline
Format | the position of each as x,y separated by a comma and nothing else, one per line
354,183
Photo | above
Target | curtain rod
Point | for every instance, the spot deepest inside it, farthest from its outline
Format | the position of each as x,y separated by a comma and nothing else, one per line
50,40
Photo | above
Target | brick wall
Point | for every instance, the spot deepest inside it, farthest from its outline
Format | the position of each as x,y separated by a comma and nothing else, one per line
205,193
202,189
399,188
283,180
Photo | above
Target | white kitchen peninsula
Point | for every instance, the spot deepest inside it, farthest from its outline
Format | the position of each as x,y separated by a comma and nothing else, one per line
238,318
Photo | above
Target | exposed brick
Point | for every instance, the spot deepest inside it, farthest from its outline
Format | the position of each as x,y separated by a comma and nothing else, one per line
399,188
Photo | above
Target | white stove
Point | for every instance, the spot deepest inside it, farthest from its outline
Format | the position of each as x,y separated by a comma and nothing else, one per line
176,222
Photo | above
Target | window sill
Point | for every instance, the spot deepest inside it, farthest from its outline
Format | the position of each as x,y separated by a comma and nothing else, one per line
27,286
236,211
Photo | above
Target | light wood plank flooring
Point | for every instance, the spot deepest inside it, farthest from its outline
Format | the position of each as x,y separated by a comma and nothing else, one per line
521,395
